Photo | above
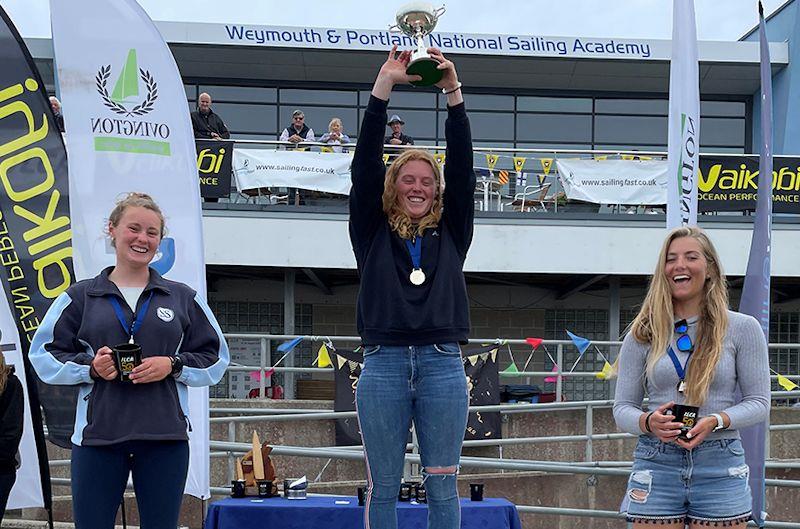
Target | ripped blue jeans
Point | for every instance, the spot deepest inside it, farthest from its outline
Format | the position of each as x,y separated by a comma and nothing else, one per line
425,384
707,485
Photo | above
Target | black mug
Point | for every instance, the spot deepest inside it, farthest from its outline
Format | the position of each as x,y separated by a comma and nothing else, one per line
420,494
687,416
405,492
264,488
362,494
127,356
237,488
476,491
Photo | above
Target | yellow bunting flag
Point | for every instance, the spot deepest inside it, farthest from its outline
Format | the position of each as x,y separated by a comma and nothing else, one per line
493,354
628,157
600,158
605,373
502,177
472,359
519,163
785,383
326,149
385,159
541,176
323,358
491,160
645,157
547,163
439,157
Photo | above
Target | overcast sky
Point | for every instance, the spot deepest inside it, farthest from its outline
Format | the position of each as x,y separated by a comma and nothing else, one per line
651,19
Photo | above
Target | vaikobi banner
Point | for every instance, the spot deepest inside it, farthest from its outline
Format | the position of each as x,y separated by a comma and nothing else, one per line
730,183
129,130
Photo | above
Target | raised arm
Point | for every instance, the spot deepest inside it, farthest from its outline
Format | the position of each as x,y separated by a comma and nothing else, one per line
368,170
459,175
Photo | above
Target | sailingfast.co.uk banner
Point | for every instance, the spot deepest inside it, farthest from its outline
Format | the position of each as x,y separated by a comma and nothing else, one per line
614,181
129,130
317,171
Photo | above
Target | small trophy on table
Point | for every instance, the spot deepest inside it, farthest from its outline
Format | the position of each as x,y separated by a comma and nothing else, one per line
255,472
418,20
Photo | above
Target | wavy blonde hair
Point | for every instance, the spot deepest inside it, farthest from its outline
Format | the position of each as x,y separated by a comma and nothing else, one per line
399,220
655,322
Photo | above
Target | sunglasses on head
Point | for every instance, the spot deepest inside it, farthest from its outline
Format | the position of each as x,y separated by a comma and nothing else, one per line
684,341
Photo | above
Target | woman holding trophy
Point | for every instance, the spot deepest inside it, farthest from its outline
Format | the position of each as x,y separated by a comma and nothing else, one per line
690,354
133,342
410,235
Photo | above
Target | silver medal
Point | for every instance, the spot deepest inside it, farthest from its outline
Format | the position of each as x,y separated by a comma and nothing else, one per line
417,276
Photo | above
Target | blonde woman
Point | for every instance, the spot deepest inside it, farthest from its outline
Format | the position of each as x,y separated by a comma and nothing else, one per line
12,404
685,347
335,136
410,238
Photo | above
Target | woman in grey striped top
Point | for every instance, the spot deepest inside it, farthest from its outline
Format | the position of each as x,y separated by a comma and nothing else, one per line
685,347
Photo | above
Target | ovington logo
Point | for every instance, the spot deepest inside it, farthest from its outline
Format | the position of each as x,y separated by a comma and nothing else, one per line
126,89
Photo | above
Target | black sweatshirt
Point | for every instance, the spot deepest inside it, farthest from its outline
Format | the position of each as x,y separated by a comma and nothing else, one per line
12,402
391,310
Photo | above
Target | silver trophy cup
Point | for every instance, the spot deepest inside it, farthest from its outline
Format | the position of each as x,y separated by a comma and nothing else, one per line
418,20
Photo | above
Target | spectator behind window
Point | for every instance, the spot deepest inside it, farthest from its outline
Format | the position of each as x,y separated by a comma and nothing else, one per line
207,124
335,136
297,131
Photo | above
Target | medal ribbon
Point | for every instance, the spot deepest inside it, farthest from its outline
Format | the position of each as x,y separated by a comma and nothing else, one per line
679,369
415,250
137,320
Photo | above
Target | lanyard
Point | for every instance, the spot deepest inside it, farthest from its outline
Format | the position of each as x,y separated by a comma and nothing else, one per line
415,250
137,320
679,369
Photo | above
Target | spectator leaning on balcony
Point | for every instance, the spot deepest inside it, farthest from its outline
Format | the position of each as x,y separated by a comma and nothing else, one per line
55,104
410,237
297,131
397,137
137,426
12,409
685,347
206,123
335,136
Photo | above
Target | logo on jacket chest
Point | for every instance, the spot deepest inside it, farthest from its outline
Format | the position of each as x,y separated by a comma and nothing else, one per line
165,314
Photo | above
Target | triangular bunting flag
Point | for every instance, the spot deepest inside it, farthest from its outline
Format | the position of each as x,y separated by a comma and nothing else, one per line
385,159
323,358
285,347
552,379
645,157
353,365
512,369
541,178
439,157
494,355
521,179
472,359
519,163
628,157
580,342
534,342
605,373
600,158
326,149
547,163
785,383
502,177
491,160
340,360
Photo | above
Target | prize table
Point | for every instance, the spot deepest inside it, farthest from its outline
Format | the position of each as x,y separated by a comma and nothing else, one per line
343,512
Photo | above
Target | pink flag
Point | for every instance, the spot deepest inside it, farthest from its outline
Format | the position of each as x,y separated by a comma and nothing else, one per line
552,379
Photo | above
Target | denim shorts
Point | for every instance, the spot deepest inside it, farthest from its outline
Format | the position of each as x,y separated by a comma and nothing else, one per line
670,484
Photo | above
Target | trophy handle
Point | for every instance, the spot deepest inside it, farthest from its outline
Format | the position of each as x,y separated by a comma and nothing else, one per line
439,12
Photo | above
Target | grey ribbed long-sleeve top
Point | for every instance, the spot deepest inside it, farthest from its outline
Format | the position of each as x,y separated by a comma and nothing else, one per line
744,361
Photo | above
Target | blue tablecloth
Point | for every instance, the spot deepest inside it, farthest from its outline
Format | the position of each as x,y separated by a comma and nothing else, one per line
322,512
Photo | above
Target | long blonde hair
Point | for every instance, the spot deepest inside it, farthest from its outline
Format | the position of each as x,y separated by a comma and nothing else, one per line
4,372
399,220
655,322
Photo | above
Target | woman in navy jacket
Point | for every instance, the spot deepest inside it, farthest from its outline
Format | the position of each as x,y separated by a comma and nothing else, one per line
410,236
138,427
